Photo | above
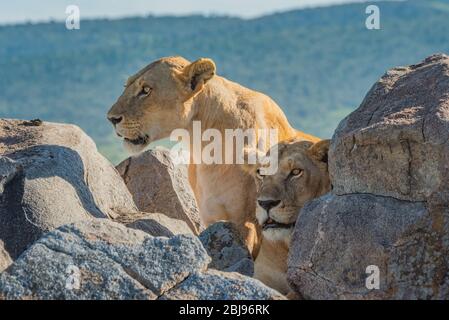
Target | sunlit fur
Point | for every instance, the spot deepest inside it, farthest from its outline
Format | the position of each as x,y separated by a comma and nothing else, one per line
293,191
183,92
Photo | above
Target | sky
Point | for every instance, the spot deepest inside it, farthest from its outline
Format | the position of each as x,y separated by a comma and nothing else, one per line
19,11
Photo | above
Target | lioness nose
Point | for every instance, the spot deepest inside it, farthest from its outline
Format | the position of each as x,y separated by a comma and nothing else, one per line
268,204
115,120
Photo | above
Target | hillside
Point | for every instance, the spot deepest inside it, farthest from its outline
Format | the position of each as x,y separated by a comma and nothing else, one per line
316,63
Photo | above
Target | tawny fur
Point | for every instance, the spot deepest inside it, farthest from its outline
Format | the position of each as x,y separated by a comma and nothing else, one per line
182,92
292,192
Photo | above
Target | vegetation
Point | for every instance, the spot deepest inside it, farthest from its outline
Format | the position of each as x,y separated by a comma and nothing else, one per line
316,63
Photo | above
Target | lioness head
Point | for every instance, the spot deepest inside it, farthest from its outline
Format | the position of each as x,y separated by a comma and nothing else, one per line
302,175
157,100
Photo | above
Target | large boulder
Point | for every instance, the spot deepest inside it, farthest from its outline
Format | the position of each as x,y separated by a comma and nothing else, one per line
396,143
224,244
387,217
50,175
102,259
157,184
338,237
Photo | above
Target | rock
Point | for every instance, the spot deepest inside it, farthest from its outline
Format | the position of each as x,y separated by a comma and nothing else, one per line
8,169
51,175
227,249
216,285
5,259
338,237
155,224
158,185
396,143
389,208
102,259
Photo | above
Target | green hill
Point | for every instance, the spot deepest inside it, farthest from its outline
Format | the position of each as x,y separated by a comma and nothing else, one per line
316,63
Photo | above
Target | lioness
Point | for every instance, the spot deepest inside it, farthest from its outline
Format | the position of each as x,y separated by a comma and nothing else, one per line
301,176
170,94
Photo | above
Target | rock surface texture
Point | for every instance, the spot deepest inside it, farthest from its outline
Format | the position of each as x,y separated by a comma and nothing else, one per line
155,224
101,259
389,166
227,249
158,185
51,175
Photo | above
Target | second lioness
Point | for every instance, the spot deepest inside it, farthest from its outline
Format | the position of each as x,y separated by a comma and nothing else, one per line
301,176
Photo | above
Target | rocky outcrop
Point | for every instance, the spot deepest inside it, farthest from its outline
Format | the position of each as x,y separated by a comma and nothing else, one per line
224,244
389,208
51,175
101,259
158,185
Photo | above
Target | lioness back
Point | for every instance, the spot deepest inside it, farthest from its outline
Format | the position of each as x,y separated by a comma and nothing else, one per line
253,109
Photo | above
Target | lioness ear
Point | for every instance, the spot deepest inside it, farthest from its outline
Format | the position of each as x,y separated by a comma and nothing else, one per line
196,74
320,150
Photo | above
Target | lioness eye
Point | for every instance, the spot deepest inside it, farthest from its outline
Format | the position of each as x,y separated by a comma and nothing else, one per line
296,172
145,91
259,175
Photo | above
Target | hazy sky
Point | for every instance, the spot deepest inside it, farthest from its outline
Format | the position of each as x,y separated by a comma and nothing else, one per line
12,11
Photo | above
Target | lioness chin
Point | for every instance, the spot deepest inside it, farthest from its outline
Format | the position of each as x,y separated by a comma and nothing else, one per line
173,93
302,175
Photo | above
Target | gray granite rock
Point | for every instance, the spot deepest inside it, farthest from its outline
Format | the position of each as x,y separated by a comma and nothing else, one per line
227,249
8,169
155,224
217,285
51,175
337,237
158,185
397,142
102,259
